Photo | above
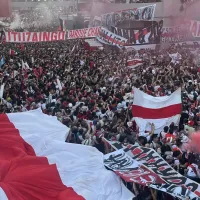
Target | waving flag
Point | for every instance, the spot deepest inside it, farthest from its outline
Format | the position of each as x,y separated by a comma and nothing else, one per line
36,163
161,111
134,63
2,62
2,90
176,57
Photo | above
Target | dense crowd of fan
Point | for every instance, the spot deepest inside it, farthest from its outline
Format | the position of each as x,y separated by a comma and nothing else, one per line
129,1
94,96
42,18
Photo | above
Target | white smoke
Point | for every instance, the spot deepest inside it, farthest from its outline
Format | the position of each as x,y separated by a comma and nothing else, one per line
43,14
16,23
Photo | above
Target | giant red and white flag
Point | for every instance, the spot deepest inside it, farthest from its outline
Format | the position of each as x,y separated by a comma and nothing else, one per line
161,111
36,163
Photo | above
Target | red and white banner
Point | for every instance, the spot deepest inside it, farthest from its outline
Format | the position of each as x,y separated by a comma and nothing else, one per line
83,33
134,63
35,36
161,111
36,163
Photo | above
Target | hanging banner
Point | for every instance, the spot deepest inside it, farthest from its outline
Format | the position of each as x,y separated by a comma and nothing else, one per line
147,35
83,33
34,36
136,14
175,34
107,37
140,47
130,170
174,183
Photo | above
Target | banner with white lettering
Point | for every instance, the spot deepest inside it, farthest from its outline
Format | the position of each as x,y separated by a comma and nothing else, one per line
107,37
34,36
159,174
83,33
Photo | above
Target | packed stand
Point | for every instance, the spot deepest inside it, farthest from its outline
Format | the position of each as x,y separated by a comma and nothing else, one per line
37,19
129,1
90,91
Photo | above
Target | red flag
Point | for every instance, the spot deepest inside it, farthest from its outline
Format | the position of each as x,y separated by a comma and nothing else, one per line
11,52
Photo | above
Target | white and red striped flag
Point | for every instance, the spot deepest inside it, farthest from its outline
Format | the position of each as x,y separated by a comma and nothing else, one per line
36,163
134,63
161,111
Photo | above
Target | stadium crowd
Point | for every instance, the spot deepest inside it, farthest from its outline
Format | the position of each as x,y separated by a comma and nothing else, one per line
90,91
37,19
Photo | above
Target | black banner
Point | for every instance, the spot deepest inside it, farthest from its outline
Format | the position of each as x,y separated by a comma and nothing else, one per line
149,35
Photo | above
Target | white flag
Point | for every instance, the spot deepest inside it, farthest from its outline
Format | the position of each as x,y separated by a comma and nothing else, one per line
26,65
59,84
32,60
23,65
73,49
14,73
2,90
176,57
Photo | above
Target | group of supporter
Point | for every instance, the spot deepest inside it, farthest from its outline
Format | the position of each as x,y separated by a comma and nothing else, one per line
43,18
137,1
129,1
90,91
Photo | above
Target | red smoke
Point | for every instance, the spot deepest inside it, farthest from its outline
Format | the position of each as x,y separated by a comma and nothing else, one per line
5,10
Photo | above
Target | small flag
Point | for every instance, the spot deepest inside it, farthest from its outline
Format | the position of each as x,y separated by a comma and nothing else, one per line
26,65
134,63
59,84
2,62
11,52
14,74
32,60
73,49
1,91
176,57
14,51
23,65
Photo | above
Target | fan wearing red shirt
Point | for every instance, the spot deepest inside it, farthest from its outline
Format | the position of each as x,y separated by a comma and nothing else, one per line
169,136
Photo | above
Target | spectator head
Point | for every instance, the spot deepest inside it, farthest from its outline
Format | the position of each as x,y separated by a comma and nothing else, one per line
177,154
142,140
166,128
